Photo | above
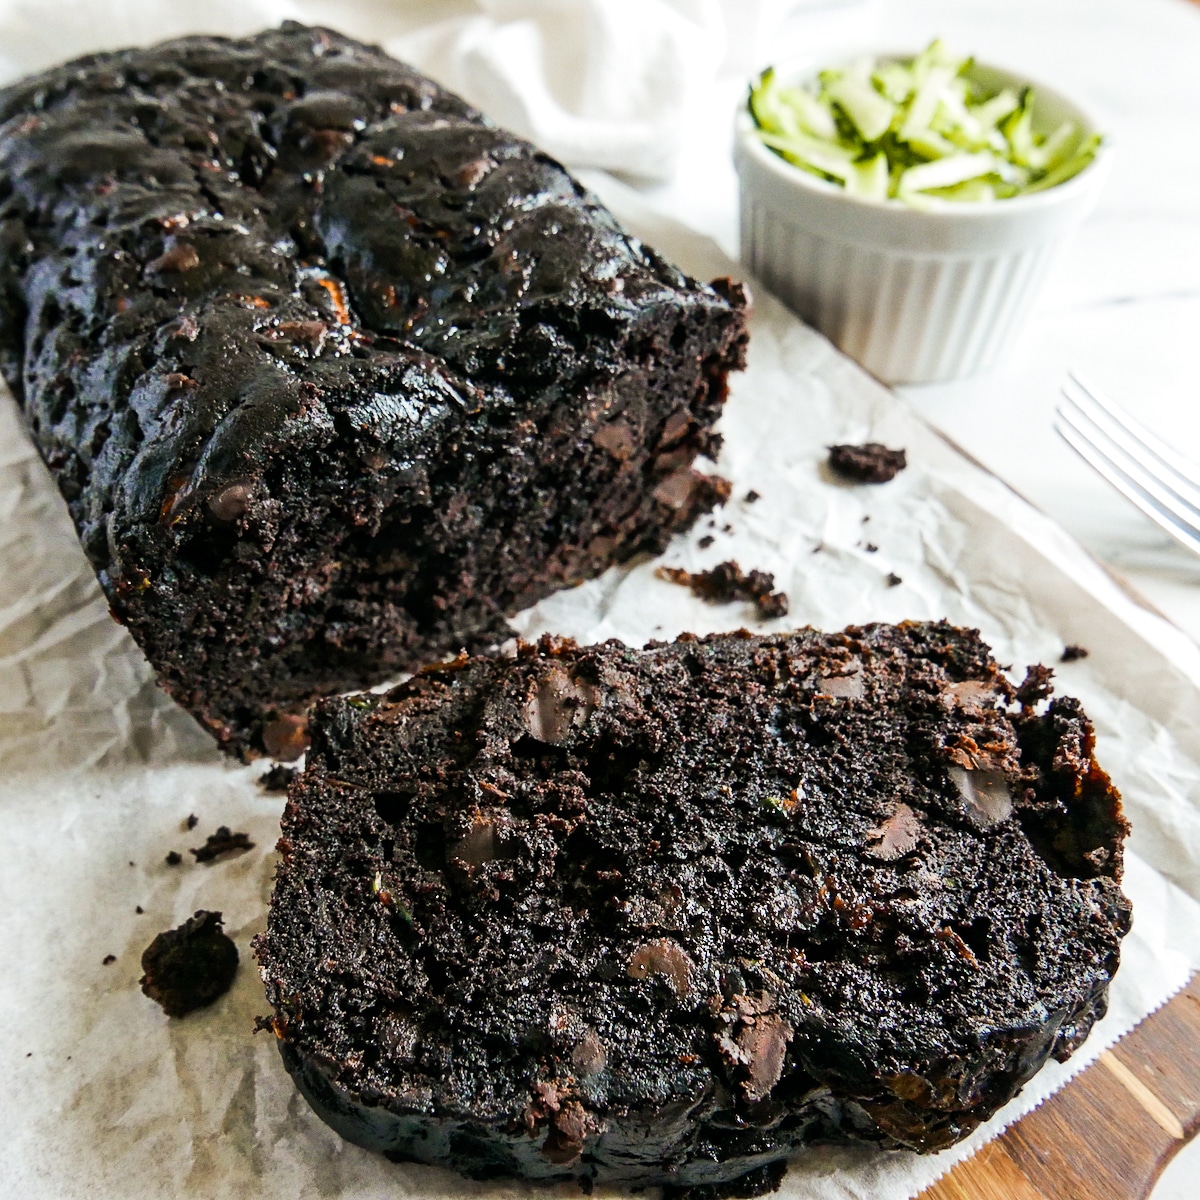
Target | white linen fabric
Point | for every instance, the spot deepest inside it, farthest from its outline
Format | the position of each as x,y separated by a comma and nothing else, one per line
601,83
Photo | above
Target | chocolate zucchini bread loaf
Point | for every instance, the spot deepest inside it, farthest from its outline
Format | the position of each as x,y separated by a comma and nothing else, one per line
667,915
331,372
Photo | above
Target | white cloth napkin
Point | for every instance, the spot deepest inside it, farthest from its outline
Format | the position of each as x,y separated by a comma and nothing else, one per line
603,83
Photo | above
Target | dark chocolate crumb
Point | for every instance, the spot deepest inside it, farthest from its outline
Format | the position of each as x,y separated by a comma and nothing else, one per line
223,842
706,541
871,548
189,967
192,821
893,580
1036,685
277,779
139,910
1073,652
726,528
29,1054
868,463
727,582
752,496
174,858
108,960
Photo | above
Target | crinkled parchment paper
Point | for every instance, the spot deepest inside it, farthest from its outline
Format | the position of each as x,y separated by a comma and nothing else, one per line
106,1097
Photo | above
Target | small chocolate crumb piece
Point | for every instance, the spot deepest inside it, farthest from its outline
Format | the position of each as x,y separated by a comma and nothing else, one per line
871,548
189,967
706,541
174,858
752,496
192,821
223,842
277,779
868,463
1036,685
726,583
108,960
1073,652
139,910
893,580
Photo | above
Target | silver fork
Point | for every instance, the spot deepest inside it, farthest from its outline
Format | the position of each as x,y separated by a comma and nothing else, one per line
1140,465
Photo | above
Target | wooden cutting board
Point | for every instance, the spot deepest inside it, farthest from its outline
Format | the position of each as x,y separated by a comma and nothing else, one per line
1110,1132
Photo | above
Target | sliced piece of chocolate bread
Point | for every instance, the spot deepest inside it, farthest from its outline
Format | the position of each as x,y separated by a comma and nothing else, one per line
331,372
667,915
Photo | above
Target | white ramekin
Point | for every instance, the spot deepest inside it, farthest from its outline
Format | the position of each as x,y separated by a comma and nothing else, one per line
914,296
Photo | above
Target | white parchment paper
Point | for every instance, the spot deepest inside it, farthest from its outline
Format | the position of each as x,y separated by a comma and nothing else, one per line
108,1098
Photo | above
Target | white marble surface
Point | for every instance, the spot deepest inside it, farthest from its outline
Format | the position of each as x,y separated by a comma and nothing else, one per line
1124,303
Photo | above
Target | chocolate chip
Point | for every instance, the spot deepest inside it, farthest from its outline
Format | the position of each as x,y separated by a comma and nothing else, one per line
665,959
985,794
182,256
477,845
557,705
232,501
589,1057
307,333
616,438
286,737
475,171
898,836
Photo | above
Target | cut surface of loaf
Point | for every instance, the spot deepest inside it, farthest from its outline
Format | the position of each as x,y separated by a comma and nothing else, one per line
331,372
669,915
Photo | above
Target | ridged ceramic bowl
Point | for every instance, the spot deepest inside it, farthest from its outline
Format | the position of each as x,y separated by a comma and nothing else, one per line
915,296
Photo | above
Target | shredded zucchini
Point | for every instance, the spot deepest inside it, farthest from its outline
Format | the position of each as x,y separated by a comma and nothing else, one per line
921,132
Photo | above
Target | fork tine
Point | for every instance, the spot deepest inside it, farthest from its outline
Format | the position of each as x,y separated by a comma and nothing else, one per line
1124,456
1091,398
1126,452
1154,499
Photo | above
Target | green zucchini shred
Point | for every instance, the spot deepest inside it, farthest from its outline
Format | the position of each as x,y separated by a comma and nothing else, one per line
921,132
